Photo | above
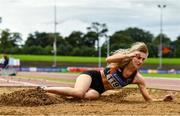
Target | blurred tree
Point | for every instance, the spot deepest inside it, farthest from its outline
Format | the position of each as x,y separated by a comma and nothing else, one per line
83,51
79,44
139,35
43,41
166,45
165,40
177,47
90,38
123,39
120,40
153,50
9,41
101,30
98,29
40,39
75,39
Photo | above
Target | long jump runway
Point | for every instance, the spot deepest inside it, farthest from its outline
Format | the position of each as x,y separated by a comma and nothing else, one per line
68,79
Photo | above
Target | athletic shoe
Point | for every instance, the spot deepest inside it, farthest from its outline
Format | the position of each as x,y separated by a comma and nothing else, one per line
41,87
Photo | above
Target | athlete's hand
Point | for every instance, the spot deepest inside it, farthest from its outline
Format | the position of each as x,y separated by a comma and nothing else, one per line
134,54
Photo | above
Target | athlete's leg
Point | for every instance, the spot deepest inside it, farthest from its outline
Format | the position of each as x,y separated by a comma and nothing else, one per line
82,85
91,94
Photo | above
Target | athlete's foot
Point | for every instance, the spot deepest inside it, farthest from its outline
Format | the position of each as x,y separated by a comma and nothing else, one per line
41,88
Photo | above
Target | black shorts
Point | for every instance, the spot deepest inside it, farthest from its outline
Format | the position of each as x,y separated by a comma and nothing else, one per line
96,83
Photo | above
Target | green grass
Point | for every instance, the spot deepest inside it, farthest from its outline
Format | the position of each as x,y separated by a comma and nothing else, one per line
164,61
59,58
162,75
174,61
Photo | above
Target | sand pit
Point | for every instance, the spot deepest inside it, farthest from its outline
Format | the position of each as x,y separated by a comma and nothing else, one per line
38,97
30,101
28,97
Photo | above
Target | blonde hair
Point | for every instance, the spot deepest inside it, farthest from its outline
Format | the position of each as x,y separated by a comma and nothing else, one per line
138,46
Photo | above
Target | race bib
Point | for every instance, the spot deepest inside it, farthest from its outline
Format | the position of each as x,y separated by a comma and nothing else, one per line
114,83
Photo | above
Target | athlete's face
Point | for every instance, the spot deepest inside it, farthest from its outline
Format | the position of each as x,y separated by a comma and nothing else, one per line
139,59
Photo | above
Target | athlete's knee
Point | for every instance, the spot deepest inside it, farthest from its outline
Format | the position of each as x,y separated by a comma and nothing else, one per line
79,94
91,95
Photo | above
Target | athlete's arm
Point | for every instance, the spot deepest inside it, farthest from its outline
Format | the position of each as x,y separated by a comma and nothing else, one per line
142,86
139,80
118,57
